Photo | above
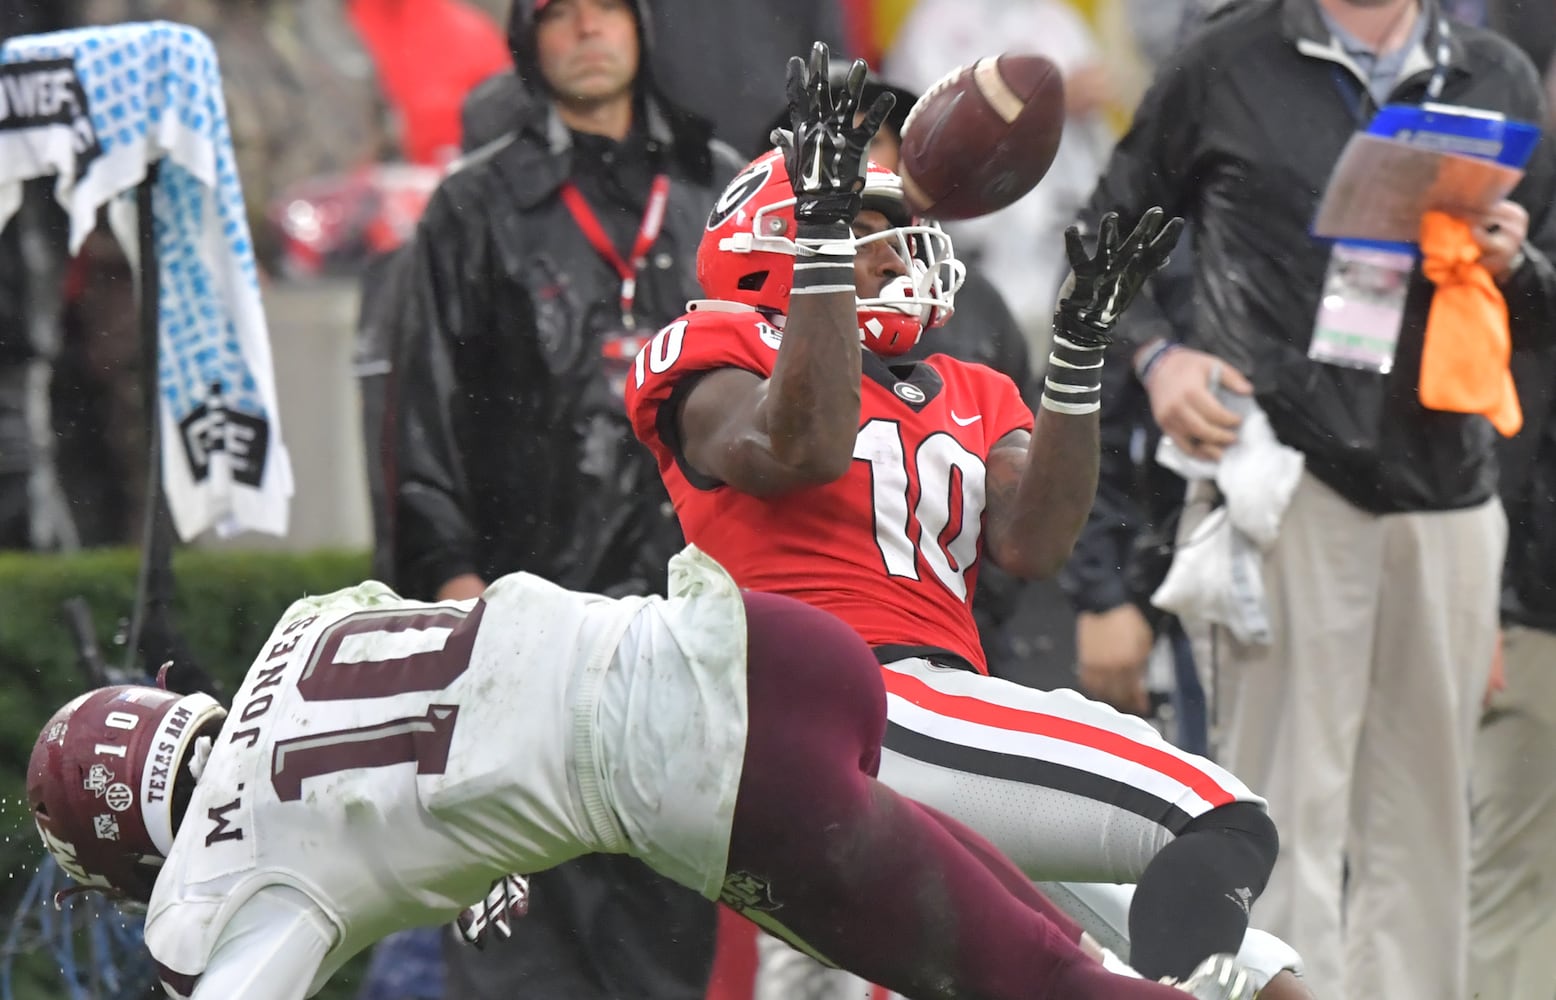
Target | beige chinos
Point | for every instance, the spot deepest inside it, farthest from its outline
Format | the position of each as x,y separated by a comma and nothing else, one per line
1356,723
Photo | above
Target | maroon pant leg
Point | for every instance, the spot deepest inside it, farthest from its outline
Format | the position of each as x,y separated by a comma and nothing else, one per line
860,874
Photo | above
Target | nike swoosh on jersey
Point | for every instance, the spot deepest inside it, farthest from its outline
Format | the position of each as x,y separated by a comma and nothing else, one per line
966,421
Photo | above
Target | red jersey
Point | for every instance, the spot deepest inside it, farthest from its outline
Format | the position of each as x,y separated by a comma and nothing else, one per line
891,548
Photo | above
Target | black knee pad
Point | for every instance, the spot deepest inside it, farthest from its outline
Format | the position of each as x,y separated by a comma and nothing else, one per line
1214,870
1246,825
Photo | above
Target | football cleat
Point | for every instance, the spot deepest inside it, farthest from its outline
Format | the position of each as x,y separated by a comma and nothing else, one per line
1219,977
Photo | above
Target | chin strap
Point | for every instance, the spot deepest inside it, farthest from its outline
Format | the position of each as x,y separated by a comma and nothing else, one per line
899,295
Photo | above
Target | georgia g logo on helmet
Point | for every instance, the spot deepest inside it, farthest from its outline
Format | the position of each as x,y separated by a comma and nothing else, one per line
741,190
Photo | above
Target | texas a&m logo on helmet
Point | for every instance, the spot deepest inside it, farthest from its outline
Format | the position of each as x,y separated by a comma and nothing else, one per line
100,782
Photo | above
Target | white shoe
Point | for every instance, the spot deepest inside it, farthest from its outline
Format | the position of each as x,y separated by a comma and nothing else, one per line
1219,977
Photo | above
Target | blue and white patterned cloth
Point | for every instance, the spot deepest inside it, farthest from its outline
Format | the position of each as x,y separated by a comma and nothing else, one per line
96,107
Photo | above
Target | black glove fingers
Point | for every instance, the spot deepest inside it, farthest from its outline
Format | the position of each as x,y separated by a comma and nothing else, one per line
874,118
795,88
1165,242
819,61
820,93
1108,230
847,102
1107,282
1145,231
825,151
1107,237
1075,249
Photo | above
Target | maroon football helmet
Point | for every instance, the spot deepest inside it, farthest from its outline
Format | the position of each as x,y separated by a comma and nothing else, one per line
100,782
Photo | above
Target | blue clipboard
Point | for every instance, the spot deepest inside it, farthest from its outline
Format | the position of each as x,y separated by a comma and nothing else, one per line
1487,135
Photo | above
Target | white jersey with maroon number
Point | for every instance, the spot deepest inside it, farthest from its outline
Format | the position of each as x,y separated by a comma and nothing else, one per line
388,759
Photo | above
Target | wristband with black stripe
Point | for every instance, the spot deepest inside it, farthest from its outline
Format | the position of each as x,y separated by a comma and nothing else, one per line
1074,382
824,259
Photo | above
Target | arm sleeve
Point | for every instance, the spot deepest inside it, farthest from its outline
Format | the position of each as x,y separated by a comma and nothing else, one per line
434,536
272,949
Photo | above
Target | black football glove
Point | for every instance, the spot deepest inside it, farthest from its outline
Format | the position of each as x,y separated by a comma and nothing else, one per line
824,150
492,918
1103,285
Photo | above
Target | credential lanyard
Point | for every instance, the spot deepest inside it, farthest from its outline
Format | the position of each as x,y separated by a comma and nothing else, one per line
648,232
1441,54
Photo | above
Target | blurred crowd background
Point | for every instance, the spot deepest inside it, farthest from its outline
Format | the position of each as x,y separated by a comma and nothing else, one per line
344,115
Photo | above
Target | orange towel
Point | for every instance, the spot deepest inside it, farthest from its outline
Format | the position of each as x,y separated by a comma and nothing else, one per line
1468,343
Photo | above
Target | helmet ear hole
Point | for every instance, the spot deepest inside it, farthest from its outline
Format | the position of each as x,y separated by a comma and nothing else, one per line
746,253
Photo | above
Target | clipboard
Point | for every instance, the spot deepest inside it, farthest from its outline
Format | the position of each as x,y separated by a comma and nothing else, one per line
1415,158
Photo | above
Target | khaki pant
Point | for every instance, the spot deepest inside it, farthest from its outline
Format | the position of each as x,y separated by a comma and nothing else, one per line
1513,821
1356,724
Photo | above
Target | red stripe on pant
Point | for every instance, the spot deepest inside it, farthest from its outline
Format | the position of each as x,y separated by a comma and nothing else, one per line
983,713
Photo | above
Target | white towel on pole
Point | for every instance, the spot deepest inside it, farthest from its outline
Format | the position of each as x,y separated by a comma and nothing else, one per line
95,107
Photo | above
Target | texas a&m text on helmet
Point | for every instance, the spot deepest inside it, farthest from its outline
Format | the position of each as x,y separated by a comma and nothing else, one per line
101,788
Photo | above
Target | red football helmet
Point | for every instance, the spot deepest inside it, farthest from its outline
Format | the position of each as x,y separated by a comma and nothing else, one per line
747,254
100,782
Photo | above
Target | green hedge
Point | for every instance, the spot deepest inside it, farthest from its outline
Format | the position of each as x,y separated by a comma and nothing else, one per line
225,605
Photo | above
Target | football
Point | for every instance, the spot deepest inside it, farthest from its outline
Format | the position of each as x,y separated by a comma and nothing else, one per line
982,136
